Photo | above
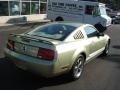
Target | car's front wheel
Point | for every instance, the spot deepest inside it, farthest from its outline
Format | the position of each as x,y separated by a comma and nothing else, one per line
106,50
77,68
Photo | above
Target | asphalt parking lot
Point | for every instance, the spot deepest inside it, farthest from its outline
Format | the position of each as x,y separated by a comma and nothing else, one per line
102,73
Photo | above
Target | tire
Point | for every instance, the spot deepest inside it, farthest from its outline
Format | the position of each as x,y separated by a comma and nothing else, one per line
59,19
113,22
77,68
106,51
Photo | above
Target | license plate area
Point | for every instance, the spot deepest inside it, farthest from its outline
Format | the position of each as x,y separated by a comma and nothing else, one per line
26,49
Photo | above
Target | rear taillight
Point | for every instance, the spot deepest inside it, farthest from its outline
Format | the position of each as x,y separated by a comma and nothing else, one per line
46,54
10,44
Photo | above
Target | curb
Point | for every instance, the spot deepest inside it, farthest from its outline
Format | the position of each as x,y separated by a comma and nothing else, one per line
25,23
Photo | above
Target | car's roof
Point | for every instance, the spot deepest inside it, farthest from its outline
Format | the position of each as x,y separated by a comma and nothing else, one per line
75,24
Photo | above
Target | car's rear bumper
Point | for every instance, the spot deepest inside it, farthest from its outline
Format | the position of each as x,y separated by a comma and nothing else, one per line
44,68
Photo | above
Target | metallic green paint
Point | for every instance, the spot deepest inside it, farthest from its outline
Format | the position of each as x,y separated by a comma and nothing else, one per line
66,52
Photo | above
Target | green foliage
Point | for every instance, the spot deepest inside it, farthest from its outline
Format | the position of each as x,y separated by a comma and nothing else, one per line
114,4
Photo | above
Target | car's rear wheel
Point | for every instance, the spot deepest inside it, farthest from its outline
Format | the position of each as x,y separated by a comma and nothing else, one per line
77,68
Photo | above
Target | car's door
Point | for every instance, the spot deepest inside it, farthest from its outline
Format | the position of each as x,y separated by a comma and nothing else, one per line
96,42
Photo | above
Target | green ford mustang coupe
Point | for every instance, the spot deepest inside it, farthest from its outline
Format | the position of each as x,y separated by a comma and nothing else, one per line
56,48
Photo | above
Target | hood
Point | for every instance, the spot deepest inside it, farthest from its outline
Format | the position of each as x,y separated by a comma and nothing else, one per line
107,20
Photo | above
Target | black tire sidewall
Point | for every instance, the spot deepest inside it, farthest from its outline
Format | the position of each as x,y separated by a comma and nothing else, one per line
106,51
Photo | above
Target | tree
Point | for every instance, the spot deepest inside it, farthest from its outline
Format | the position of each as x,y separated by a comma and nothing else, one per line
114,4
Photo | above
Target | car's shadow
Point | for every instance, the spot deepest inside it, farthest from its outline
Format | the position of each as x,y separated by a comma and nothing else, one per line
116,46
12,78
114,58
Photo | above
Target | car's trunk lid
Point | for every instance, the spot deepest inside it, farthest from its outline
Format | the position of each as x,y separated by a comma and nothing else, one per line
30,45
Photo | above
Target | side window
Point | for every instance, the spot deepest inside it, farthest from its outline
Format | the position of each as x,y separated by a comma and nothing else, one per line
89,9
78,35
96,11
90,31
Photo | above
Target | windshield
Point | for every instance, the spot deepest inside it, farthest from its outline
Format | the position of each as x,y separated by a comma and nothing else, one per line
103,10
53,31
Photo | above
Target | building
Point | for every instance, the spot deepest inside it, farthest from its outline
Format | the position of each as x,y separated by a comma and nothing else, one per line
17,10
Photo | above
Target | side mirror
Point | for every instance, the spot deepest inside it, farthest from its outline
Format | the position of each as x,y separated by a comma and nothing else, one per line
100,34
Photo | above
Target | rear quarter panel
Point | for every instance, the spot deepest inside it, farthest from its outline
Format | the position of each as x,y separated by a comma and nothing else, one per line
69,51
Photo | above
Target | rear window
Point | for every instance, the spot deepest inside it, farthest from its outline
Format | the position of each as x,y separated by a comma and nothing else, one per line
53,31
